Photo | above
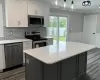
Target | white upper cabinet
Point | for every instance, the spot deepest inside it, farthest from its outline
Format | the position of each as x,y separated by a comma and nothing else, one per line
39,9
35,8
16,13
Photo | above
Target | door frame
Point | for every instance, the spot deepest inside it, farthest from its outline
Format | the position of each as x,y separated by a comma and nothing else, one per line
56,15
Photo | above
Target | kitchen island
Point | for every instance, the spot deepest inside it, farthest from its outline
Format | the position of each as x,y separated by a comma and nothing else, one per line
63,61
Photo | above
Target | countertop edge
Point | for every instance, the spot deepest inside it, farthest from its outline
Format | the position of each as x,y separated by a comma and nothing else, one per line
13,41
55,61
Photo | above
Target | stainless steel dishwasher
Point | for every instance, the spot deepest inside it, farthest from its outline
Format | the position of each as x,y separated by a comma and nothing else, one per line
13,54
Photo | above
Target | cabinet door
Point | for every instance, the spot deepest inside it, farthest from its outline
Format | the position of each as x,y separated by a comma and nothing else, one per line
16,13
11,13
35,8
51,72
82,63
2,57
46,15
33,68
31,8
69,68
23,13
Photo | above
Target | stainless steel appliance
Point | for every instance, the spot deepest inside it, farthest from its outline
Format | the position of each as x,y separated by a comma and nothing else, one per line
13,54
35,20
38,41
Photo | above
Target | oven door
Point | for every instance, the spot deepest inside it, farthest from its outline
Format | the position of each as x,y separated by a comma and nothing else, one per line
39,44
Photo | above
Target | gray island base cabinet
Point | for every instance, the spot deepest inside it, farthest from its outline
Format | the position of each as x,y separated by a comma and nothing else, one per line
69,69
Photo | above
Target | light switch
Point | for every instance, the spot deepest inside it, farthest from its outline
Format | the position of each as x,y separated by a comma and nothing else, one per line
36,12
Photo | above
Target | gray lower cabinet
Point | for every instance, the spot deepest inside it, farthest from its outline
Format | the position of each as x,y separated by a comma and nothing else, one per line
82,64
68,69
33,68
13,54
51,72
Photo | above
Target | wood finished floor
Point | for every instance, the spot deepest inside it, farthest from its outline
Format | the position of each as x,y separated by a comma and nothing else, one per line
19,74
16,74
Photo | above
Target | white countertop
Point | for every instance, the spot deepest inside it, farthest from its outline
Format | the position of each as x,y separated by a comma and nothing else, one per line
57,52
48,37
13,41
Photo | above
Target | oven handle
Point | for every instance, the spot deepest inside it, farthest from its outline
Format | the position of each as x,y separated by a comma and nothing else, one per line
39,41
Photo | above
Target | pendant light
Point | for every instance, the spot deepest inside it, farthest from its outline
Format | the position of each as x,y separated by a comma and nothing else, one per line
86,3
72,4
64,3
56,2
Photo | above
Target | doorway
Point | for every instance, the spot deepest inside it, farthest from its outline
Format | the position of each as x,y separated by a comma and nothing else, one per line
58,28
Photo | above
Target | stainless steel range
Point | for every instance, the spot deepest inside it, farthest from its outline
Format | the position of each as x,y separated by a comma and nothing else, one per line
38,41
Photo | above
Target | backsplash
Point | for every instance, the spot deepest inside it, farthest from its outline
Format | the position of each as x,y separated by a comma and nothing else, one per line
20,32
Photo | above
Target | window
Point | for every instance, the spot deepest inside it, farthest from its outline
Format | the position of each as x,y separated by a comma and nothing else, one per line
58,28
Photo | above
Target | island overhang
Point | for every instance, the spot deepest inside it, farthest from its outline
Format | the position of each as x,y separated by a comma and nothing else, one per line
58,52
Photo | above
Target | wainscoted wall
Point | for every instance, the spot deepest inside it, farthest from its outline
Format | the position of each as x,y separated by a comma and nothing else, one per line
1,21
98,39
20,32
75,37
93,63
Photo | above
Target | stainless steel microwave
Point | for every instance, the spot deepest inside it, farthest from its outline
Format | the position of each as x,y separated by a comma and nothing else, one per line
35,20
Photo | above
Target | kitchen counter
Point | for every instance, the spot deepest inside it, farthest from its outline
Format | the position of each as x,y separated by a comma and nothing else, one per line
48,37
58,52
6,41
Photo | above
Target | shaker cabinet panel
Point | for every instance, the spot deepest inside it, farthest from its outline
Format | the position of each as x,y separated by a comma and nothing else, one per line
11,13
23,14
33,68
35,8
16,13
69,68
2,57
82,64
50,72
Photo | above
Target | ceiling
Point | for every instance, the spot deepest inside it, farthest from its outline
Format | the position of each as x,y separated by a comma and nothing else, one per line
78,5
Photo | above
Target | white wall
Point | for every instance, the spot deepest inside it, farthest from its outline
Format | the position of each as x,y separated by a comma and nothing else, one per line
1,21
75,23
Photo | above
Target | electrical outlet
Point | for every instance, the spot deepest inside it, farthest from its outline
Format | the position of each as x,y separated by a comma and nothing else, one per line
36,12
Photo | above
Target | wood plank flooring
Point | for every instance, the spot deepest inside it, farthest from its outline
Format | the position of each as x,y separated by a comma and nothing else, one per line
16,74
93,69
19,74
